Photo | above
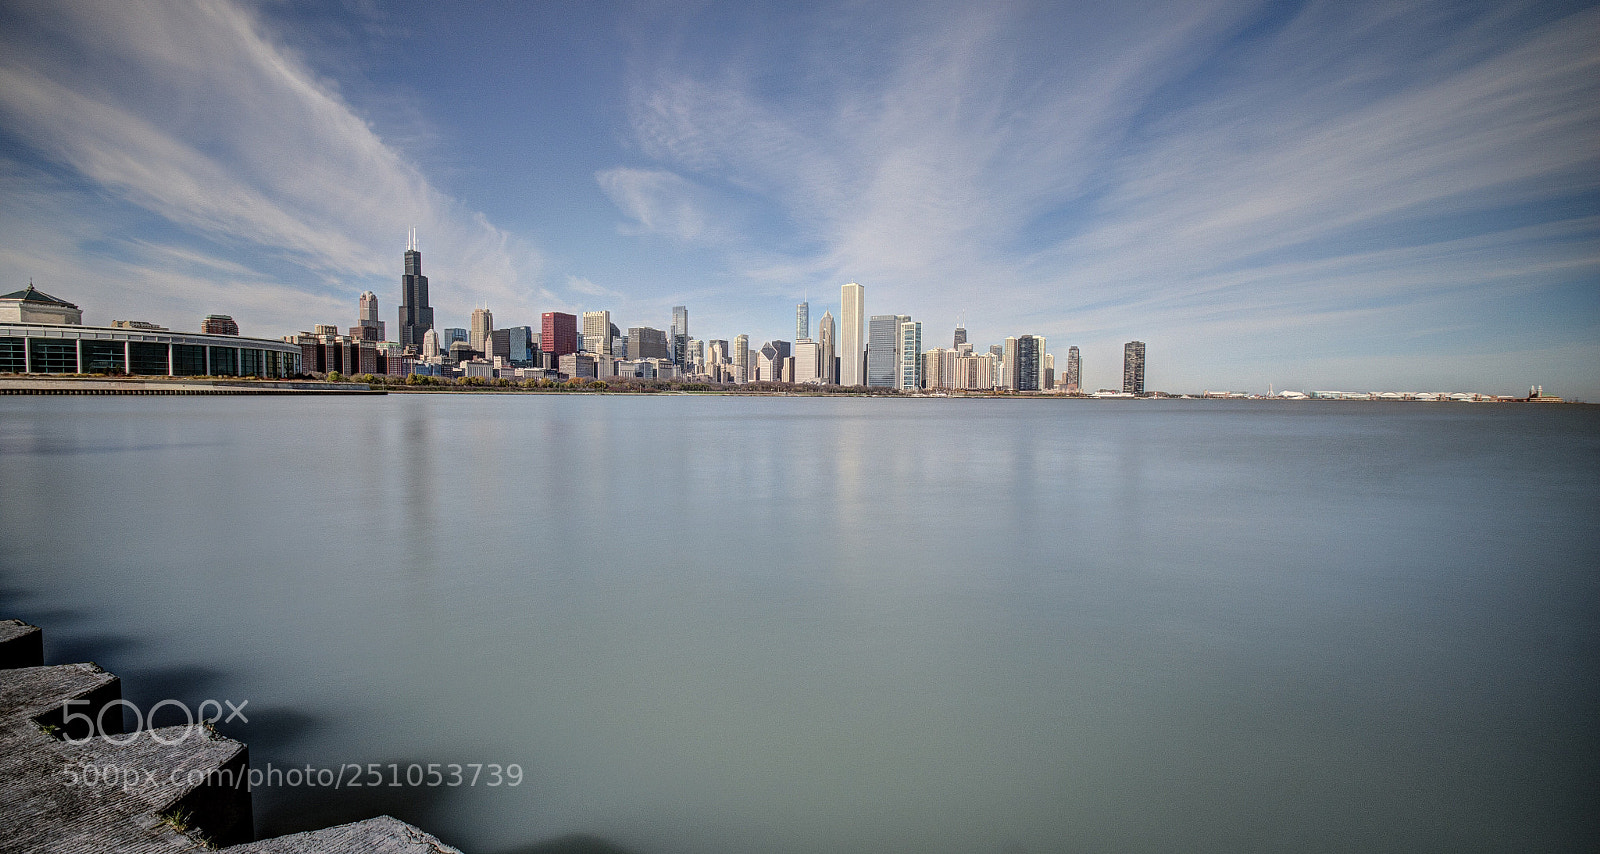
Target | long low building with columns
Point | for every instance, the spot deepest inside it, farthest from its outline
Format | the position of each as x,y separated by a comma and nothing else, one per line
42,334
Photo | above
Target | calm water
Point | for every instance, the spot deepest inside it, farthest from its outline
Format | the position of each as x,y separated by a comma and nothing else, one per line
807,625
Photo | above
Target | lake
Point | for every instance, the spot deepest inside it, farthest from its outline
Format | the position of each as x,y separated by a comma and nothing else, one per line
732,624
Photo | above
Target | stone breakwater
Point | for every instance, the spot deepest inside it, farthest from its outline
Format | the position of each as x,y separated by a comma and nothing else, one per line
188,794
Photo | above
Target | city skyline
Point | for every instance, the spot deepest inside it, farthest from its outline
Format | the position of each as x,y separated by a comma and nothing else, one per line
1316,196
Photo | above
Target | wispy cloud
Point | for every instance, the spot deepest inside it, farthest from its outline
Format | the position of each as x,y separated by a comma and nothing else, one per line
193,112
1222,167
657,201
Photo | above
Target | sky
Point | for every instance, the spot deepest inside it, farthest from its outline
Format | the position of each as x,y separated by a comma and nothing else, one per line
1342,195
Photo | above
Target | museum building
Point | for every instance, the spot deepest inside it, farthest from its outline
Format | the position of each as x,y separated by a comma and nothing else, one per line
42,334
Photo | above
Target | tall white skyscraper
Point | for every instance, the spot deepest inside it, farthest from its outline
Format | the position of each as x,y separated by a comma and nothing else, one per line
597,332
830,350
482,325
802,321
852,334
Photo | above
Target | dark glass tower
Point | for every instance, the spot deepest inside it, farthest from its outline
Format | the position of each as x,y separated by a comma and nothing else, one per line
416,316
1133,367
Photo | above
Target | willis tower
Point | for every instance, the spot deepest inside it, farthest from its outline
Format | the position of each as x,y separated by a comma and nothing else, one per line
416,316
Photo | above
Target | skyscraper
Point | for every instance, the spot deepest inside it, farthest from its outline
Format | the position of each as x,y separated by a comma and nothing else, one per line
597,332
883,350
769,360
802,321
852,320
961,336
416,316
1024,363
482,326
647,343
558,336
680,335
1074,371
807,361
367,317
910,355
741,358
825,339
1133,367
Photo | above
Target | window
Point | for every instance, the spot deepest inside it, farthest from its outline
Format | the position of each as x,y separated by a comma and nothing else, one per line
188,360
54,355
13,358
102,357
224,361
250,363
147,359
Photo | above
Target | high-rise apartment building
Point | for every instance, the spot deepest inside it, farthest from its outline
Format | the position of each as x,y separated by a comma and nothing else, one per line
933,368
910,355
802,322
416,316
597,332
1133,367
852,331
558,336
1022,363
741,358
883,350
219,324
1074,371
1049,371
680,335
829,351
1028,368
482,326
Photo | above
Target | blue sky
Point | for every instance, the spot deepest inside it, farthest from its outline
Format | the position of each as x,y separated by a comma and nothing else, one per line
1390,196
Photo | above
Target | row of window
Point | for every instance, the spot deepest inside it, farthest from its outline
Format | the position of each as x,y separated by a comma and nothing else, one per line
142,358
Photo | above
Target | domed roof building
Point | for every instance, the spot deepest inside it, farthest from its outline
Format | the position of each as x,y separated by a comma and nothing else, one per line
31,305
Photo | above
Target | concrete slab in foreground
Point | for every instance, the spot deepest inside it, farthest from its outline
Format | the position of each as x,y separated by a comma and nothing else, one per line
68,784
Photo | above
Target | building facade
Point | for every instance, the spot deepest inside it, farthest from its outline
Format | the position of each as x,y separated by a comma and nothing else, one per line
883,350
680,336
1133,367
647,343
852,329
416,315
802,322
828,353
597,332
910,355
558,335
218,324
482,326
1074,371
